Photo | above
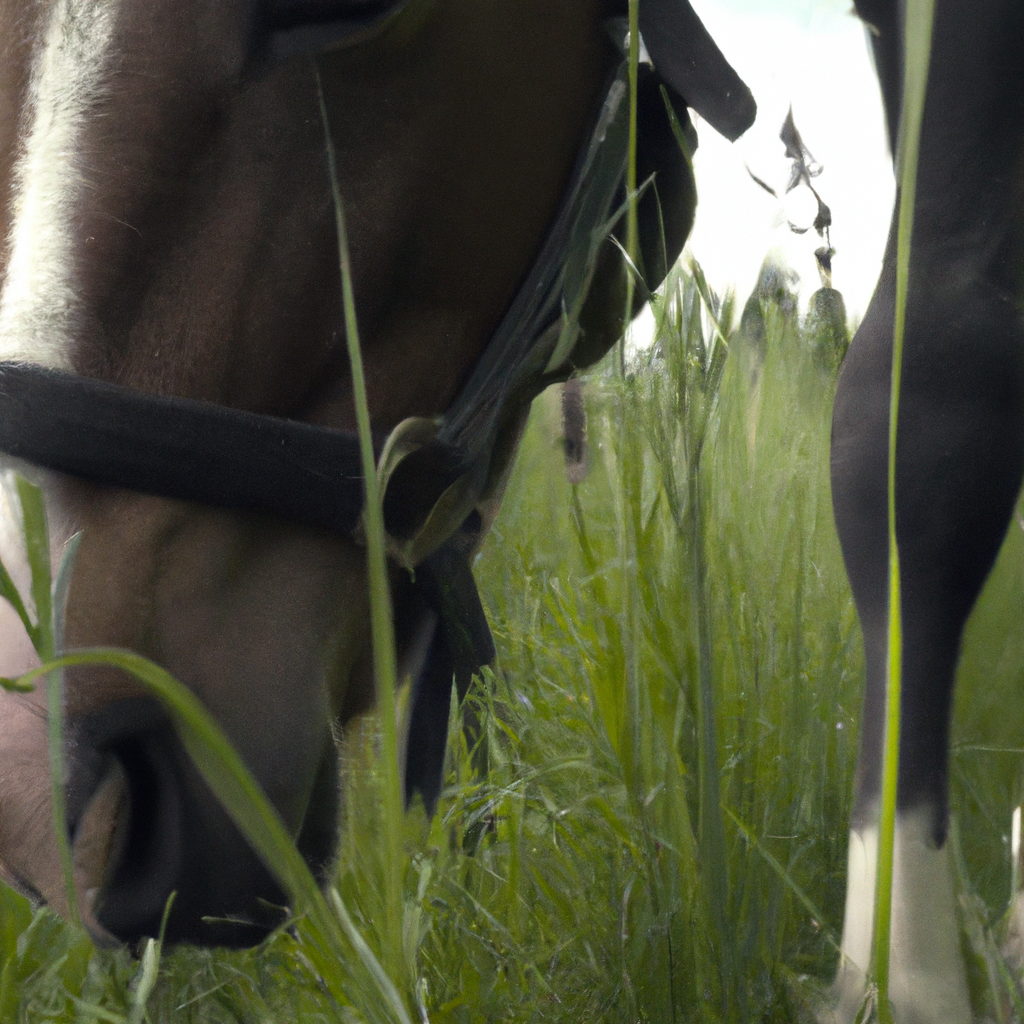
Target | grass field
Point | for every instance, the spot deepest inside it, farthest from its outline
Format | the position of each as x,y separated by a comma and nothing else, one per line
660,834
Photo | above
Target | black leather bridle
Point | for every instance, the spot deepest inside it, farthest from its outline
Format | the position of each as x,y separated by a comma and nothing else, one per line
435,472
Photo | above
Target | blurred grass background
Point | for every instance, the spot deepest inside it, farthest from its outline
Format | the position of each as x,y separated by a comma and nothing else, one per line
671,732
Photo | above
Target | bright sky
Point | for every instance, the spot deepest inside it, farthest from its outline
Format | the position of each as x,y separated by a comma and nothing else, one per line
812,54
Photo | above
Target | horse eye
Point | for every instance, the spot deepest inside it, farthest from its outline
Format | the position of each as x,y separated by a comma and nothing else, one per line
294,27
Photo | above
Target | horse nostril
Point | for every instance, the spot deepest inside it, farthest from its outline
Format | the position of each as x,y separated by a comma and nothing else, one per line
124,804
147,857
145,825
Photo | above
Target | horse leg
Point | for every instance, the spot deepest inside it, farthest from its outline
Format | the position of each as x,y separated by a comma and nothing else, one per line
960,458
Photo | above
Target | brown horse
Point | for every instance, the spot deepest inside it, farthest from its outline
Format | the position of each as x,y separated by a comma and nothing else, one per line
169,275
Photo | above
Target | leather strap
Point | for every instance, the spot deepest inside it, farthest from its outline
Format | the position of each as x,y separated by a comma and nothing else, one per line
180,448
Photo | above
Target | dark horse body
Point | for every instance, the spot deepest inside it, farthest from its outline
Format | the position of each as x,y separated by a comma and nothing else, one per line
960,455
167,227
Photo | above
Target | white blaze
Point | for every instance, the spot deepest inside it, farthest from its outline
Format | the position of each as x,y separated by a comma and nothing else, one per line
38,301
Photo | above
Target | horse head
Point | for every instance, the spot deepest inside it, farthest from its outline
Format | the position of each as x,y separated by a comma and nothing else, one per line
170,301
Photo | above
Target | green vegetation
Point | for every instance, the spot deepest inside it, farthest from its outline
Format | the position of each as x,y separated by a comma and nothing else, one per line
671,734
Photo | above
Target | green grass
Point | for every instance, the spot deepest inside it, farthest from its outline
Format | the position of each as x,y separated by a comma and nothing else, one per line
578,880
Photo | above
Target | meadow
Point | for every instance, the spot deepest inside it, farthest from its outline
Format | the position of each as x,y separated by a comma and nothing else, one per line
653,827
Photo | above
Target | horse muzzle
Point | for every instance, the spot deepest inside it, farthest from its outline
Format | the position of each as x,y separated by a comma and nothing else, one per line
150,843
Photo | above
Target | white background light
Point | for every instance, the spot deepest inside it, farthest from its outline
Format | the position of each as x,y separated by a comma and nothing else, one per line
814,55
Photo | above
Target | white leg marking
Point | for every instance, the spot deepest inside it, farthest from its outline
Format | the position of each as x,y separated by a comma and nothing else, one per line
927,979
38,300
859,918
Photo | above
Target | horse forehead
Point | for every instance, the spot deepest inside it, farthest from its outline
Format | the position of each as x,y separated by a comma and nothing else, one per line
60,61
104,174
64,78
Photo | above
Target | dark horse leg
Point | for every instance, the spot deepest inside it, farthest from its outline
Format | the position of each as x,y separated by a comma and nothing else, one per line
960,458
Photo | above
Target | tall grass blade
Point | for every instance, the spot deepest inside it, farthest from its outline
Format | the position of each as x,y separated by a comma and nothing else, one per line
795,889
373,965
710,824
628,723
55,739
61,585
710,305
149,970
632,221
917,35
37,550
9,593
382,624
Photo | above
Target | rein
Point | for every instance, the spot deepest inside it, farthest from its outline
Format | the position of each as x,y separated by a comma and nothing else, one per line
436,474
